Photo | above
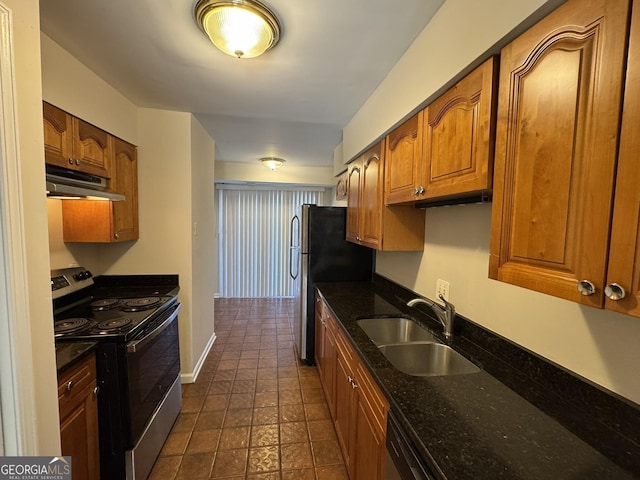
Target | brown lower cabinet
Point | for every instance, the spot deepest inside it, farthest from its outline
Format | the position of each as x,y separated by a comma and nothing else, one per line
78,405
358,407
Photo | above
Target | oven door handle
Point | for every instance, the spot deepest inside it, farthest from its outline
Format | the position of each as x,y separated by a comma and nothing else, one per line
135,345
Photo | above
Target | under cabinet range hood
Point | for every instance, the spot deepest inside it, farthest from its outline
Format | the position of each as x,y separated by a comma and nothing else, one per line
67,184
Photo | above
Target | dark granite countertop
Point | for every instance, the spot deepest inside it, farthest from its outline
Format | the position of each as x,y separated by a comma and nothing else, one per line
68,353
474,426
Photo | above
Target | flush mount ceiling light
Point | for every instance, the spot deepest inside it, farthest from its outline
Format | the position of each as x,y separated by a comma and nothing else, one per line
272,162
240,28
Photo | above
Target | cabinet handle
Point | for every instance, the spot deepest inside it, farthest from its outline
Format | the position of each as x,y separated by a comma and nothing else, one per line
71,161
420,190
586,288
77,161
96,390
415,191
614,292
354,385
116,235
70,386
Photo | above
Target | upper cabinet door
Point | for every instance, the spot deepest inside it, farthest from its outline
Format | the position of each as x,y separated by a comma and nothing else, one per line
75,144
92,148
125,181
459,136
58,136
624,254
353,200
402,161
558,119
372,193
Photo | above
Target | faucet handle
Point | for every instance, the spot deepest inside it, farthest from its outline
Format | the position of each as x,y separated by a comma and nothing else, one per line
448,305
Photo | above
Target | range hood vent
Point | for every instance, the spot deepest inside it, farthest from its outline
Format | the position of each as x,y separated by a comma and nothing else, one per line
64,183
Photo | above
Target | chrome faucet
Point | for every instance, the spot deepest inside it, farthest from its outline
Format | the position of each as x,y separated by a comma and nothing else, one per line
445,314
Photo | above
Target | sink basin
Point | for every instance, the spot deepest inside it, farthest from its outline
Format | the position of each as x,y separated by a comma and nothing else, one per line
426,359
390,330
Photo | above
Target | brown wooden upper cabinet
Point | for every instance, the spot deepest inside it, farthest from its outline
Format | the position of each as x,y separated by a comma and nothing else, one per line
459,136
403,156
369,221
107,221
558,175
75,144
446,150
341,185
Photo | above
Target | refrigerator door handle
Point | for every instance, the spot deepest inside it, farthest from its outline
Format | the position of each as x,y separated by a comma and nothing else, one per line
291,251
292,235
292,247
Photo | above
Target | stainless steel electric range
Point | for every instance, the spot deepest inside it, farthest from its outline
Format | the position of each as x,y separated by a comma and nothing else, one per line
134,319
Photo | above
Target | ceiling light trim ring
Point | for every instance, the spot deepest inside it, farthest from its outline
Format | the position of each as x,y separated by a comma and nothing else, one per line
204,7
272,162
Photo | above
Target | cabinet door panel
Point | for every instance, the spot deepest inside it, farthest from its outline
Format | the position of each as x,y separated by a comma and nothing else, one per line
93,148
372,197
345,401
353,201
79,438
125,181
624,257
556,150
57,136
370,447
459,136
402,161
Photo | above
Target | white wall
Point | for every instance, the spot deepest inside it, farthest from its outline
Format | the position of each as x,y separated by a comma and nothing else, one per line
459,33
69,85
600,346
256,172
28,89
204,257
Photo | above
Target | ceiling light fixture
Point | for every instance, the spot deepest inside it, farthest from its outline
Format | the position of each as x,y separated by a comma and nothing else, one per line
272,162
240,28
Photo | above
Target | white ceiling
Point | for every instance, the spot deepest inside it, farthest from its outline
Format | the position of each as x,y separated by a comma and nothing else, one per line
292,102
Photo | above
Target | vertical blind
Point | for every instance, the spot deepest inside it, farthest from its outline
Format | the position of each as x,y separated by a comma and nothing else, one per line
254,233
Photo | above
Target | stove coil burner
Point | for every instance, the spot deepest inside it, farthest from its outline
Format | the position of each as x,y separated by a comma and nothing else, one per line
69,325
105,304
138,304
113,324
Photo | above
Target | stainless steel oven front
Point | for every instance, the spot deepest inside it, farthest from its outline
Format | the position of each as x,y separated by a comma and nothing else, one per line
140,397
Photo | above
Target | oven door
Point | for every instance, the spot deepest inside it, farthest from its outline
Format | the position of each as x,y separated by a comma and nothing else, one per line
153,364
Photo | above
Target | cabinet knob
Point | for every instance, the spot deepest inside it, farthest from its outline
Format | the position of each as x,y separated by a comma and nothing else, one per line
96,390
614,291
77,161
116,235
70,385
415,191
71,161
420,190
586,288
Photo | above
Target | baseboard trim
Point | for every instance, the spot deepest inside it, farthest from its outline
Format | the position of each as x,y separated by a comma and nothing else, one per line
193,376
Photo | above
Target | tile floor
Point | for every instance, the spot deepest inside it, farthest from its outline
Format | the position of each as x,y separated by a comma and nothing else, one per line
253,413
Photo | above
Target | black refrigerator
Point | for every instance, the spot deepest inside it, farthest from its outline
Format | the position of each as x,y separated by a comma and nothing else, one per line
319,252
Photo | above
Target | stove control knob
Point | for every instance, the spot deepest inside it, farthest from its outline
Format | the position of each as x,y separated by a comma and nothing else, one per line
83,275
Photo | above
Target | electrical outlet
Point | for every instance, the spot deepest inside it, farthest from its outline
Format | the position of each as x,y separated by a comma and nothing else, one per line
442,288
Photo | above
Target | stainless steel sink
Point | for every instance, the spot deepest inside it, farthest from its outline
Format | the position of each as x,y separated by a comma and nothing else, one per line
391,330
426,359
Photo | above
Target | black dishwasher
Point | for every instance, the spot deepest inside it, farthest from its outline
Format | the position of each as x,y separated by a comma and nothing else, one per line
403,462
